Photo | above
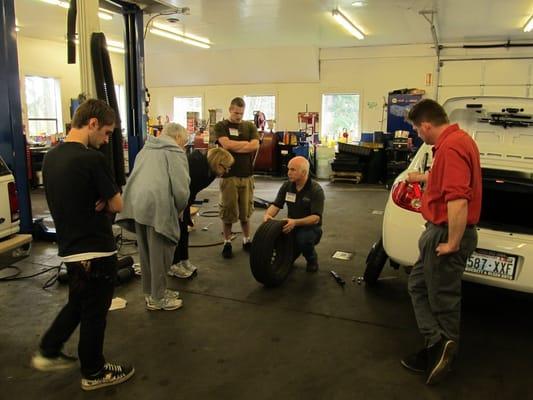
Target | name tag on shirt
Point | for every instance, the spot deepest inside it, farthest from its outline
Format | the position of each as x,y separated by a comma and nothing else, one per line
290,197
233,132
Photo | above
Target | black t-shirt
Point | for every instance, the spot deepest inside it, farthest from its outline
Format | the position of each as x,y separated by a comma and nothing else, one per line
306,202
244,131
75,178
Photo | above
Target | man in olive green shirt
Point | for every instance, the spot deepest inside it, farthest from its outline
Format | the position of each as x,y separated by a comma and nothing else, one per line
241,139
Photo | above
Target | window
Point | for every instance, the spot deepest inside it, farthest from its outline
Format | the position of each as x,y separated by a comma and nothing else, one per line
43,100
183,105
120,91
266,104
340,113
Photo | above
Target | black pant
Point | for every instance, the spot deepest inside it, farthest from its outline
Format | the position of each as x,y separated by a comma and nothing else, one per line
305,240
182,249
90,295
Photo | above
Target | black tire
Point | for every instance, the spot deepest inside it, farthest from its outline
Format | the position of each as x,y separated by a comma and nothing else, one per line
375,261
271,256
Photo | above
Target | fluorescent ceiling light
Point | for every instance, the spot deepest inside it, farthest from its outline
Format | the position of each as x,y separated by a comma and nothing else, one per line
59,3
112,46
115,47
358,3
347,24
187,35
119,50
528,27
170,33
104,14
114,43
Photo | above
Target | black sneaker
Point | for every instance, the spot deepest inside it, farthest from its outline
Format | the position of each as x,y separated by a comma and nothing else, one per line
247,246
417,362
440,357
111,374
312,266
226,251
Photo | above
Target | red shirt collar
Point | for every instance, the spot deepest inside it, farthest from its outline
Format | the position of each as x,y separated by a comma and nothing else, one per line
449,130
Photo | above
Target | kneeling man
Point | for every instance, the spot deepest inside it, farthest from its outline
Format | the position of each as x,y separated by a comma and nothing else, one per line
305,203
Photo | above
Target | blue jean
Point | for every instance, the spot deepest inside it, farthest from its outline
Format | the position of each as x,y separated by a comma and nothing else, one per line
305,240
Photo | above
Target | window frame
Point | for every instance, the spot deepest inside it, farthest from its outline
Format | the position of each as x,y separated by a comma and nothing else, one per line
356,136
260,95
202,105
58,105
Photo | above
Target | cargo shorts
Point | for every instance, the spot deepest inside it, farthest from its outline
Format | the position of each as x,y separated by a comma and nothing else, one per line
236,199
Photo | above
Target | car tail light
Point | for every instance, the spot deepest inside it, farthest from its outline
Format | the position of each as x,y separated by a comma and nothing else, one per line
407,195
13,202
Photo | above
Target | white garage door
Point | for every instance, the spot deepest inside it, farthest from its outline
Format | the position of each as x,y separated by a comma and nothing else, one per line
486,78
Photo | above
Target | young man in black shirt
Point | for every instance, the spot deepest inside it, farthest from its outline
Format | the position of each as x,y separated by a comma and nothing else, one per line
81,195
305,203
241,139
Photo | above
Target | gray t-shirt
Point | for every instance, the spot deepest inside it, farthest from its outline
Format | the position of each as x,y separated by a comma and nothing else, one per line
306,202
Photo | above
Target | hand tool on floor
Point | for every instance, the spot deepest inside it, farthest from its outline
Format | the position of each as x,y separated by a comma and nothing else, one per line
337,278
205,228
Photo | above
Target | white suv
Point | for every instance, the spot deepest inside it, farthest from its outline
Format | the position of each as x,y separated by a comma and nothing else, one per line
503,130
9,214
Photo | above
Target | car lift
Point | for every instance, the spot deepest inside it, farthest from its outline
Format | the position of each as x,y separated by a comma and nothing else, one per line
12,139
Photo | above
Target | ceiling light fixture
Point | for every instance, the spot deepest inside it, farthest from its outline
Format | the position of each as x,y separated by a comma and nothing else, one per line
104,14
528,27
358,3
115,47
347,24
112,46
170,33
59,3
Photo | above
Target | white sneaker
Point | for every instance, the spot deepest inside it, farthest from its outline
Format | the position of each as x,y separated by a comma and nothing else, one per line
189,266
179,271
165,304
61,362
172,294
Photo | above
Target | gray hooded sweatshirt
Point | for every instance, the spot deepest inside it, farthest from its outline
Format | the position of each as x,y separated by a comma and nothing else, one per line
157,190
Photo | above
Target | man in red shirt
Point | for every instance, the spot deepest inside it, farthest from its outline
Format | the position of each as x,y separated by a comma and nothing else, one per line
451,205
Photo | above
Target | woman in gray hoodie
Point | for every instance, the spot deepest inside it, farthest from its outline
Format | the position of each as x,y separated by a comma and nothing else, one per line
154,197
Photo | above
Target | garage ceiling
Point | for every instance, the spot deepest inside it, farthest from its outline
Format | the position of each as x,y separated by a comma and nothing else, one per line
234,24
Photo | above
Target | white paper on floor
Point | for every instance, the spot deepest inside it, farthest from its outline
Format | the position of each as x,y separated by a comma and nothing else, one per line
118,303
342,255
137,269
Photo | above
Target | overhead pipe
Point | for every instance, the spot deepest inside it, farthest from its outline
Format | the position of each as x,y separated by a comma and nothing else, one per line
438,47
507,44
71,32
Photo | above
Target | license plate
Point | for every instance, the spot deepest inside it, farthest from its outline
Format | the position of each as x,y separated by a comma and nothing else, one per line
491,263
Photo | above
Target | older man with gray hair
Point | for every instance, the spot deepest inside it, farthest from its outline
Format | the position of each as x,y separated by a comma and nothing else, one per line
305,204
156,194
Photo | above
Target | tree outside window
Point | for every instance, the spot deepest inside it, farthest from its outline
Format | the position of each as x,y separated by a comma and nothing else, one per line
120,91
340,113
182,105
43,101
265,104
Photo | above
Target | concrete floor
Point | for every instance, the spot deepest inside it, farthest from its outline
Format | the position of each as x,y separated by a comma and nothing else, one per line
309,339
